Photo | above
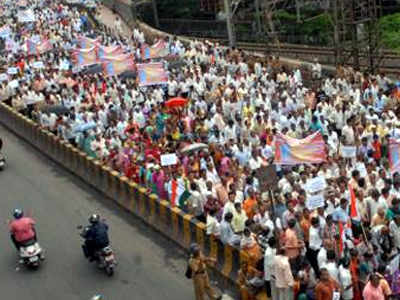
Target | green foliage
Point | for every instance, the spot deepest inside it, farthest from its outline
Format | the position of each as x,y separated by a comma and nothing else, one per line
316,29
389,27
285,17
184,9
318,25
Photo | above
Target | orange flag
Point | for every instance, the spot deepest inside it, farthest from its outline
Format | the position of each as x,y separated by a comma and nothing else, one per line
353,201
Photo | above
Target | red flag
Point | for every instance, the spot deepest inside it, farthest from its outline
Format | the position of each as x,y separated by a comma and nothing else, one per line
341,229
174,192
353,205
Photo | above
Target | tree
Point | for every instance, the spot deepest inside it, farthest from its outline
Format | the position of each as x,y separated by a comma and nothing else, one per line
269,9
389,27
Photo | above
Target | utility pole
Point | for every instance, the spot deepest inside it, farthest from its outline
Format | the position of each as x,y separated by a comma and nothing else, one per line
354,38
298,15
134,10
155,13
229,24
336,31
258,16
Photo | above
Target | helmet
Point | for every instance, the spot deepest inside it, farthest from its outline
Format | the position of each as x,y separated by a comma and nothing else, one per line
97,297
93,219
194,248
18,213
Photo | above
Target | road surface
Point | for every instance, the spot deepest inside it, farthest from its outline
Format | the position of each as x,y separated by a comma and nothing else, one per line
150,266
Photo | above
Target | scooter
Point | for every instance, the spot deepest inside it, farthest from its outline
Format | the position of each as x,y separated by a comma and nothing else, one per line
31,254
104,258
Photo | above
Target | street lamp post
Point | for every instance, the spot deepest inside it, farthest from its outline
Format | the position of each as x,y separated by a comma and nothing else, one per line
229,24
258,16
155,13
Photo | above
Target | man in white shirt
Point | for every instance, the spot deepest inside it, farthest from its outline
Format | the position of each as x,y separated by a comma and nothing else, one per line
212,225
315,244
331,265
348,133
270,253
283,281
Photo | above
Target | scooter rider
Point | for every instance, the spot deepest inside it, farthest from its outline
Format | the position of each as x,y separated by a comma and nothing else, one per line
96,237
21,229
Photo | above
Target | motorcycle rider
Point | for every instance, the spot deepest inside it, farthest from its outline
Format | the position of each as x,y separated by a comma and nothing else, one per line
96,237
21,229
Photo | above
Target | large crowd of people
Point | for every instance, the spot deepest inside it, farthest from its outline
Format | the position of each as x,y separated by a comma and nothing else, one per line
220,138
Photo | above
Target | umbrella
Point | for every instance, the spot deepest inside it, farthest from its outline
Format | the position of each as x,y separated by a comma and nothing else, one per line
176,102
84,127
194,147
56,109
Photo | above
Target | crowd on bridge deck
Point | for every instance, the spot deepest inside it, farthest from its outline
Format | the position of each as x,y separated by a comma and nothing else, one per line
236,108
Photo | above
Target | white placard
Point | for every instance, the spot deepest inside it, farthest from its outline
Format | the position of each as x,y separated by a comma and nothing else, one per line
12,71
315,184
5,32
32,101
3,77
13,84
336,296
64,65
26,15
169,159
38,65
315,201
362,169
348,151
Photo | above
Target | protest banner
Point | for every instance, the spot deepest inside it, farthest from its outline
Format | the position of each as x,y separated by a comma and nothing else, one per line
362,169
32,101
291,151
12,71
5,31
25,16
315,184
38,65
152,74
168,159
315,201
3,77
348,151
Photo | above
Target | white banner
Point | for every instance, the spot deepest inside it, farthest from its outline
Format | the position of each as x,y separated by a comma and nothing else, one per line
12,71
169,159
348,151
38,65
315,201
25,16
3,77
315,184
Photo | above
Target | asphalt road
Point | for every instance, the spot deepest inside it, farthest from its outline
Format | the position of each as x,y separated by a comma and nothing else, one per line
150,266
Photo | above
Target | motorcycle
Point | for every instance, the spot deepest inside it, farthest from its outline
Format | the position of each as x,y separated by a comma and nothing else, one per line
31,254
104,258
2,161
